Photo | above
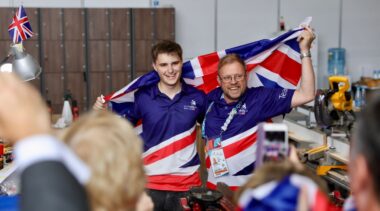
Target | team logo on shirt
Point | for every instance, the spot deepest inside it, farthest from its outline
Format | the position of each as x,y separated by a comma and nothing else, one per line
243,110
191,107
283,93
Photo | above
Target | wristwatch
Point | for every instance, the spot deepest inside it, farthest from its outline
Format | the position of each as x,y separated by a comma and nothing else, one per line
305,54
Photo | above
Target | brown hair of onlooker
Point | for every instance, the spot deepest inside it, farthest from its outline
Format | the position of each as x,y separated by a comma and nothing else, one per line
367,139
276,171
168,47
230,58
110,147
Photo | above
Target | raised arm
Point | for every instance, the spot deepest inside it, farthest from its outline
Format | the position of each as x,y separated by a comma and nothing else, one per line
306,92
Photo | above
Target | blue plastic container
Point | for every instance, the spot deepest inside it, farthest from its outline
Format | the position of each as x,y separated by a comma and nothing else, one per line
336,61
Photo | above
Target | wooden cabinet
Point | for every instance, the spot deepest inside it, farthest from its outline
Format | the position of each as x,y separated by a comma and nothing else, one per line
88,52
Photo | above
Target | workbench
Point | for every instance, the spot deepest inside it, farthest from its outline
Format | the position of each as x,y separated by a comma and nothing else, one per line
307,138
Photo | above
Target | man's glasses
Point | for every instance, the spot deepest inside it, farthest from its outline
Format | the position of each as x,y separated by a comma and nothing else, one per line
228,78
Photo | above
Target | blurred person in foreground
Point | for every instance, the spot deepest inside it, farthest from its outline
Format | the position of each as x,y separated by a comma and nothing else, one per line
284,186
47,181
112,150
364,169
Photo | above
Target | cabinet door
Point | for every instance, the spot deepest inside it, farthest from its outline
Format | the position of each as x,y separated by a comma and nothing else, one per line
144,25
143,63
99,81
51,20
74,24
74,72
164,20
121,65
6,15
98,27
77,87
120,24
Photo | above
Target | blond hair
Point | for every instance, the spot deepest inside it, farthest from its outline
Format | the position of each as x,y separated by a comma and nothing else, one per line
112,150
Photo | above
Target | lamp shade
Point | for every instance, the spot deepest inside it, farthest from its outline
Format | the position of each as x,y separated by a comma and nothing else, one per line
23,64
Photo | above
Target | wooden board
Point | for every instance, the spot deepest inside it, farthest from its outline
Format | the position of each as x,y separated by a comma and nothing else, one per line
74,24
339,157
121,55
144,24
99,85
52,56
77,87
120,24
51,20
164,20
6,15
98,55
74,56
120,79
98,24
143,55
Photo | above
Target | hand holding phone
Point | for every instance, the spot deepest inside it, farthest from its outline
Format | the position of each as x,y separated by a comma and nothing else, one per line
272,143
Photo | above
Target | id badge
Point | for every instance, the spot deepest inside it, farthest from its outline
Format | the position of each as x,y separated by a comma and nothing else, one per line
213,143
218,162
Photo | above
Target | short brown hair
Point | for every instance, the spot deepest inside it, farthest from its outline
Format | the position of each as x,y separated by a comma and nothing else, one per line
366,140
230,58
166,46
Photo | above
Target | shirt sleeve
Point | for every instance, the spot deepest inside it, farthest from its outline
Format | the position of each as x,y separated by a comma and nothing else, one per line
274,101
39,148
133,114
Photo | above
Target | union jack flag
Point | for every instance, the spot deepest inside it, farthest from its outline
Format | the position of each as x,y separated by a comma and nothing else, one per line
284,195
20,28
270,62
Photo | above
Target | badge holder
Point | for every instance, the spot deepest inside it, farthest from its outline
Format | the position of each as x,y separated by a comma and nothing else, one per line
217,158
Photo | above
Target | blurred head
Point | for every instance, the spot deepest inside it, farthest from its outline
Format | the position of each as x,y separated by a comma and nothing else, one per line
232,77
276,171
365,155
167,61
278,184
109,146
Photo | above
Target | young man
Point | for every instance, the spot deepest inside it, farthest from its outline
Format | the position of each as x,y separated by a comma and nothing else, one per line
364,169
169,111
233,112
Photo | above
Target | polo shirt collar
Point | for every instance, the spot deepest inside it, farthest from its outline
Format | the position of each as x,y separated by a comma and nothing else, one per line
218,97
156,91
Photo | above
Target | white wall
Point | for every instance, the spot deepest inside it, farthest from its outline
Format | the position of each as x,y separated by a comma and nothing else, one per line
76,3
203,26
194,22
361,35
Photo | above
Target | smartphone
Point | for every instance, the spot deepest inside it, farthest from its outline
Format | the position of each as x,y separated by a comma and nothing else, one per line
272,143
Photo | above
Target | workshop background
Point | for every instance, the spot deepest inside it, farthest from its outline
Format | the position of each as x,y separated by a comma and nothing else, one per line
200,26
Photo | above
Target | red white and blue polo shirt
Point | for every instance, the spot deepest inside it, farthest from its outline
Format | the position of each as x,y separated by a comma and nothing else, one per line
168,130
239,140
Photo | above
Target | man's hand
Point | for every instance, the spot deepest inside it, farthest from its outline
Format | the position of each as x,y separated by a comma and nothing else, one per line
305,39
100,103
23,112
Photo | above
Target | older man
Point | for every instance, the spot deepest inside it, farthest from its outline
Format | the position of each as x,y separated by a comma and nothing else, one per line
234,111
